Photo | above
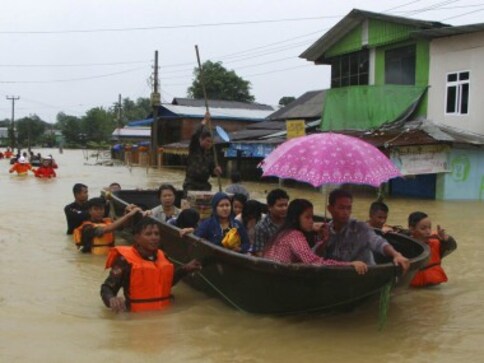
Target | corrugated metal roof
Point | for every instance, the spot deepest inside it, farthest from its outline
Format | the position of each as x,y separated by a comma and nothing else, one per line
448,31
354,18
222,113
132,132
191,102
307,106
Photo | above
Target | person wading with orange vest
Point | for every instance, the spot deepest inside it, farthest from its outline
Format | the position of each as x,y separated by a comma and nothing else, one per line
22,167
96,235
440,244
143,272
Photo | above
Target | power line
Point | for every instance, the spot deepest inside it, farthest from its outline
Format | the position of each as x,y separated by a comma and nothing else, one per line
464,14
70,65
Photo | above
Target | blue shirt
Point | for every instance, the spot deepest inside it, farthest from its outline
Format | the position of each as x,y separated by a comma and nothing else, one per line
211,230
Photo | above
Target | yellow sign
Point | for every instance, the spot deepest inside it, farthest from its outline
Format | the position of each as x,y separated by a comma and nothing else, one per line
295,128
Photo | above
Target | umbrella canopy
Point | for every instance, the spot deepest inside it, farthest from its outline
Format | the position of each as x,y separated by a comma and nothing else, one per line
329,158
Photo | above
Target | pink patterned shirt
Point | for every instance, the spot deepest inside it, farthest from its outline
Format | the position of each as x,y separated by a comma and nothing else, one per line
292,247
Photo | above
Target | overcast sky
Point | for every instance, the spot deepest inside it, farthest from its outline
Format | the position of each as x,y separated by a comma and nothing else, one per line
72,55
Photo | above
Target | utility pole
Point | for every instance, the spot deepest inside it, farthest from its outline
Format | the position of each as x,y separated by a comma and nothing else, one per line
12,125
118,106
155,103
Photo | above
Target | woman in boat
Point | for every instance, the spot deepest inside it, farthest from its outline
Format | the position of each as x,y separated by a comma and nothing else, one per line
221,228
143,272
238,203
200,162
440,244
167,209
291,243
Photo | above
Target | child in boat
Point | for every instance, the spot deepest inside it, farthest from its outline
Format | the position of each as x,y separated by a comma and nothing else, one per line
21,166
45,170
238,203
221,228
187,221
378,218
440,244
291,243
143,272
96,235
250,216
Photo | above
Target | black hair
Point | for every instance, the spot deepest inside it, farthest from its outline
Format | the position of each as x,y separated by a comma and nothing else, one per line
77,188
338,194
96,202
376,207
188,218
252,209
296,208
115,184
240,198
415,217
276,194
235,177
143,223
166,187
202,133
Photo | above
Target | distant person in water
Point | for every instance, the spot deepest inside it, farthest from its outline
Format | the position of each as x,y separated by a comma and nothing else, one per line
21,167
440,244
143,272
236,187
45,170
200,162
77,211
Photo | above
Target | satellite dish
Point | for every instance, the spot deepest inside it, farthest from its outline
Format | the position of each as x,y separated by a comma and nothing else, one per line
222,133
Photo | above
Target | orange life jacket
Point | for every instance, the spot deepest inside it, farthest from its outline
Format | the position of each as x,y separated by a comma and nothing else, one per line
100,245
432,273
150,281
21,169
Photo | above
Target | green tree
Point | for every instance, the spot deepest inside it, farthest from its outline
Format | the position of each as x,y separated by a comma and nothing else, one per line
98,124
29,130
70,126
220,83
284,101
135,110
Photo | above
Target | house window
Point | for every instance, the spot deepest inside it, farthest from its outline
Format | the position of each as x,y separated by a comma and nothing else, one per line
400,65
350,69
457,95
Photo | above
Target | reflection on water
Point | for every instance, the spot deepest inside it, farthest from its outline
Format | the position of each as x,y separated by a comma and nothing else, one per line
50,308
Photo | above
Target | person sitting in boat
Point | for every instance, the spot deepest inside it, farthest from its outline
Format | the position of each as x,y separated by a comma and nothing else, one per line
250,216
291,243
200,161
378,216
350,239
187,221
221,228
45,170
236,187
21,167
167,209
96,235
277,202
77,211
143,272
238,203
440,244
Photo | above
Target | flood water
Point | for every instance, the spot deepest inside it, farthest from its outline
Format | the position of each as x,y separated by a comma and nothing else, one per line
50,309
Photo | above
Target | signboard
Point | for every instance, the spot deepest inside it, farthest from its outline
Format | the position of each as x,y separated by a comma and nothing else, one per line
295,128
424,159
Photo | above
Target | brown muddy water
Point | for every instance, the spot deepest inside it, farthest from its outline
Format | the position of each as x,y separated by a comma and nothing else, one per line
50,309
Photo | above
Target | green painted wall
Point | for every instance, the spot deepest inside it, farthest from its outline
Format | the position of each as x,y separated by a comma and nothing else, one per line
382,33
351,42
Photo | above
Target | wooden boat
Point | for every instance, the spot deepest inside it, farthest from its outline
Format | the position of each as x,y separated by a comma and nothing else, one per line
258,285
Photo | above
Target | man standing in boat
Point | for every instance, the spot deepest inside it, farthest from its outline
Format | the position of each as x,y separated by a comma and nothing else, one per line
200,164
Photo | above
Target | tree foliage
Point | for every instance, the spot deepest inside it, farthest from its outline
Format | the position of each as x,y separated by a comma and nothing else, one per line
220,83
135,110
29,130
284,101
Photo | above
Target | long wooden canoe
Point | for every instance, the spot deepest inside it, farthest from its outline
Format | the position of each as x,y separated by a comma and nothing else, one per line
259,285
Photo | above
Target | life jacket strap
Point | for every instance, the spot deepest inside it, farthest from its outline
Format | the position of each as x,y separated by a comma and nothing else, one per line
108,245
430,266
154,299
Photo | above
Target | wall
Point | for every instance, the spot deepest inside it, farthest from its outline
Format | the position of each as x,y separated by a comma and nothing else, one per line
457,53
466,179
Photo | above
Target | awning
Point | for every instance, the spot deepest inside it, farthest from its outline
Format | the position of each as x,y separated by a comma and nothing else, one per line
145,122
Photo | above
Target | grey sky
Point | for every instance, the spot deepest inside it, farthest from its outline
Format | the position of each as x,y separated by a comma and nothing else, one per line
274,70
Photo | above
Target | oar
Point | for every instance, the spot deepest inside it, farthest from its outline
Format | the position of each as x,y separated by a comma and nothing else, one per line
202,82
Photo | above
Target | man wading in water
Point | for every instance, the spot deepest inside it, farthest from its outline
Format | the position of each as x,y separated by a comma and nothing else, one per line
201,162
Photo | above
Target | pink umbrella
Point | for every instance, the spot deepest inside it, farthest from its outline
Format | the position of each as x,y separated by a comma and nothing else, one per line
329,158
